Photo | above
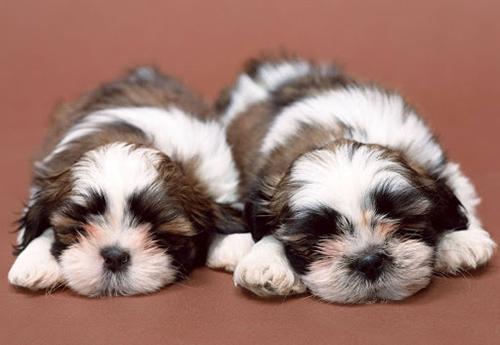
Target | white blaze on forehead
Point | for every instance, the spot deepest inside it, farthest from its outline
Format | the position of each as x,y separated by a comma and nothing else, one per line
372,115
118,170
341,180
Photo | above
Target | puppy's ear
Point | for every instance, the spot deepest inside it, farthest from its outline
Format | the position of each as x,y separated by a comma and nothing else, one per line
228,220
448,212
204,213
259,214
36,218
210,216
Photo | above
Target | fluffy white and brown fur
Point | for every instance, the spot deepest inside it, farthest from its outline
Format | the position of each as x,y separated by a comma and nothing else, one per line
347,191
133,181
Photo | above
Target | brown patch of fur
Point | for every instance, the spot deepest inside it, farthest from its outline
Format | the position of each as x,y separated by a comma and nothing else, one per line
178,226
194,200
223,99
245,136
252,65
130,91
282,157
309,85
183,185
108,133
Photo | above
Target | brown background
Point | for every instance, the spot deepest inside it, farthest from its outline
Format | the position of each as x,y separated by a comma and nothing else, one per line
445,55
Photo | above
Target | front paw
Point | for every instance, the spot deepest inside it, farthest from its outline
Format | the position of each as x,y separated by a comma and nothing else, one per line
41,275
226,251
464,250
267,274
36,268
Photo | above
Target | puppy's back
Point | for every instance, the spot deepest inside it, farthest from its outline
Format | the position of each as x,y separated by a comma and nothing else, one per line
266,86
141,87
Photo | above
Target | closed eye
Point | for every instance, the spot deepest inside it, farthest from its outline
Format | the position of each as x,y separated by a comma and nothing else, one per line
74,230
69,234
408,234
321,222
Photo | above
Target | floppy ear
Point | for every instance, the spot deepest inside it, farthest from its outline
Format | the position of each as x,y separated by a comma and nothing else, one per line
205,214
34,221
258,213
210,216
229,220
36,217
448,212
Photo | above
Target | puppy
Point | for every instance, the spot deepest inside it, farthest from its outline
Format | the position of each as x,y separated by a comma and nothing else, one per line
133,181
347,191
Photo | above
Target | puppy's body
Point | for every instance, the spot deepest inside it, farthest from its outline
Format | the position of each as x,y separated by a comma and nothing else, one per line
133,181
347,182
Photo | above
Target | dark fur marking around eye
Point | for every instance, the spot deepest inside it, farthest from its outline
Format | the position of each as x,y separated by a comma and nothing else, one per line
150,206
408,207
435,204
64,237
310,227
320,221
71,217
397,204
426,235
153,207
297,259
96,205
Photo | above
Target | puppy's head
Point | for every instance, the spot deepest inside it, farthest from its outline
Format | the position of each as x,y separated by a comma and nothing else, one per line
359,224
126,220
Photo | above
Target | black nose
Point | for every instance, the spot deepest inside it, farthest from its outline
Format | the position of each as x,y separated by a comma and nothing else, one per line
115,259
371,265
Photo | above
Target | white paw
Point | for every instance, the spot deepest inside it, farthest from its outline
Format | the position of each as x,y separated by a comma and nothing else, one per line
36,268
266,272
464,250
226,251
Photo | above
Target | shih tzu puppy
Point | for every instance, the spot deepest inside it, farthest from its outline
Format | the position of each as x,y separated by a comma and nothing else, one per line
133,181
347,191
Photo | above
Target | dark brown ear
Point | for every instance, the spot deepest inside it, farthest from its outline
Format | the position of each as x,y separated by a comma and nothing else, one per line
229,220
208,216
205,214
36,218
260,216
448,213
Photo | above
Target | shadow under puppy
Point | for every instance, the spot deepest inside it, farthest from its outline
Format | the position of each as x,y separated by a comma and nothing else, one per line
133,181
348,192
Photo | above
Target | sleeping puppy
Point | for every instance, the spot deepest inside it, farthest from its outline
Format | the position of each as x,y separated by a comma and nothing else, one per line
347,191
132,182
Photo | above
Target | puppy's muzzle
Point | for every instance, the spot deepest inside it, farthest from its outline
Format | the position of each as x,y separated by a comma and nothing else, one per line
115,259
371,266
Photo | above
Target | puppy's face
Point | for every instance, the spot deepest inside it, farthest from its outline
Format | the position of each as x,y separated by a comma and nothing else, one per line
359,224
125,221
